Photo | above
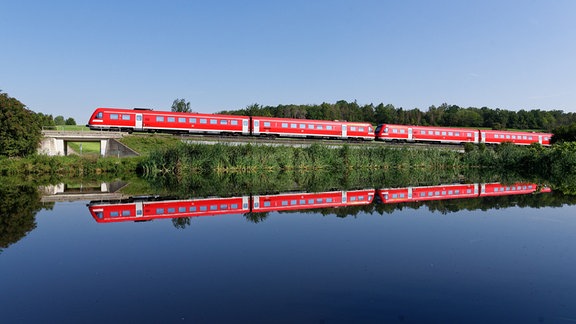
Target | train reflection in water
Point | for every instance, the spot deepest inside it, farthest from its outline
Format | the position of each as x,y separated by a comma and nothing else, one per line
148,208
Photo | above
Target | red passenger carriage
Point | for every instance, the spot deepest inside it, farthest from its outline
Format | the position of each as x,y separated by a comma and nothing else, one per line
288,127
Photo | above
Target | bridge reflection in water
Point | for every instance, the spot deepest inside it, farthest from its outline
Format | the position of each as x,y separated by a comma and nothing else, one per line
87,191
146,208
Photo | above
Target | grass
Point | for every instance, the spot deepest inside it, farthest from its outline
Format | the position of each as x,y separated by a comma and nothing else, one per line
84,148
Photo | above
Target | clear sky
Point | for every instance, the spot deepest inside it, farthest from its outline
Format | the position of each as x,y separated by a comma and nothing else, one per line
67,57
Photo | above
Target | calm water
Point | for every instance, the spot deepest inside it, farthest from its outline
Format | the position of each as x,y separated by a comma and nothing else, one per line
410,265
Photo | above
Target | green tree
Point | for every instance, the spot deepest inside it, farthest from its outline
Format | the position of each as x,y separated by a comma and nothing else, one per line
20,129
180,105
70,121
59,120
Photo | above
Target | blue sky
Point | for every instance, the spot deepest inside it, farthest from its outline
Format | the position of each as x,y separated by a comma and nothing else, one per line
69,57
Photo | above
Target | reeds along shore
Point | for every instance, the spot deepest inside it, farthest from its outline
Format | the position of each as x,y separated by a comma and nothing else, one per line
185,159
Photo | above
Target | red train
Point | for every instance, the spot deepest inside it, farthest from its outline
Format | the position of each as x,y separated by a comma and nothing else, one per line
153,208
454,191
390,132
146,120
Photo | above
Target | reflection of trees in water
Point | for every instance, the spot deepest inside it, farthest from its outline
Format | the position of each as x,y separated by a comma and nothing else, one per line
181,222
18,208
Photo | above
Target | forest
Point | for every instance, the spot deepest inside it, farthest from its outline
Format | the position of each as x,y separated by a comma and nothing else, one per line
443,115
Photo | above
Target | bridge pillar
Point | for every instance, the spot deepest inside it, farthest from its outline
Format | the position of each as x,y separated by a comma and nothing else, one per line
52,146
103,147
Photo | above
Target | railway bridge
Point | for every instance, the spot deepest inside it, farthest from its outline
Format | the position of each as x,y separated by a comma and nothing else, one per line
56,142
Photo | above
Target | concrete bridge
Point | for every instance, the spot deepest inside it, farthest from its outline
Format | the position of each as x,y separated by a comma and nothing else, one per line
56,142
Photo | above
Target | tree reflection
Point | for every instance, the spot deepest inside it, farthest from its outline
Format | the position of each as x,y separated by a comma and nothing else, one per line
181,222
18,208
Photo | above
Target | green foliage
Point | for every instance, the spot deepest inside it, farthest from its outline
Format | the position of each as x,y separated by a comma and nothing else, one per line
20,129
18,208
70,121
59,120
180,105
565,134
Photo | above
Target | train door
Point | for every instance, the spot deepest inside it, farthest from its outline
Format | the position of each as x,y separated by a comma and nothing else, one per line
483,136
255,204
344,131
540,139
246,204
344,197
245,127
410,133
256,130
409,192
139,209
483,188
138,125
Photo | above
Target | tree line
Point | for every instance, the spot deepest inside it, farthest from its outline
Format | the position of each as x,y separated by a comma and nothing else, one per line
443,115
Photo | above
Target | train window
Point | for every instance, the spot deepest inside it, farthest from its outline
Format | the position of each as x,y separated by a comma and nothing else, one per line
469,134
213,207
430,193
234,206
284,125
160,119
302,202
361,198
285,203
171,210
114,214
125,117
203,208
114,116
181,119
394,130
328,200
99,115
266,204
513,136
530,187
513,188
192,208
329,127
386,130
430,133
530,137
436,133
524,137
457,192
171,119
213,122
293,125
319,127
319,200
223,122
401,196
450,133
469,191
126,213
100,215
310,201
457,133
310,126
443,133
181,209
293,202
422,194
302,126
203,121
422,132
354,198
394,196
245,123
223,207
508,136
495,135
159,211
402,131
266,124
443,192
192,120
234,122
437,193
361,129
353,128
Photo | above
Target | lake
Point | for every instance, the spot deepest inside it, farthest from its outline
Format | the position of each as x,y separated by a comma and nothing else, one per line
504,257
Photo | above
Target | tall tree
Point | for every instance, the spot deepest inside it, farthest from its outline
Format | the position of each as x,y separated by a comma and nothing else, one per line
180,105
59,120
20,129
